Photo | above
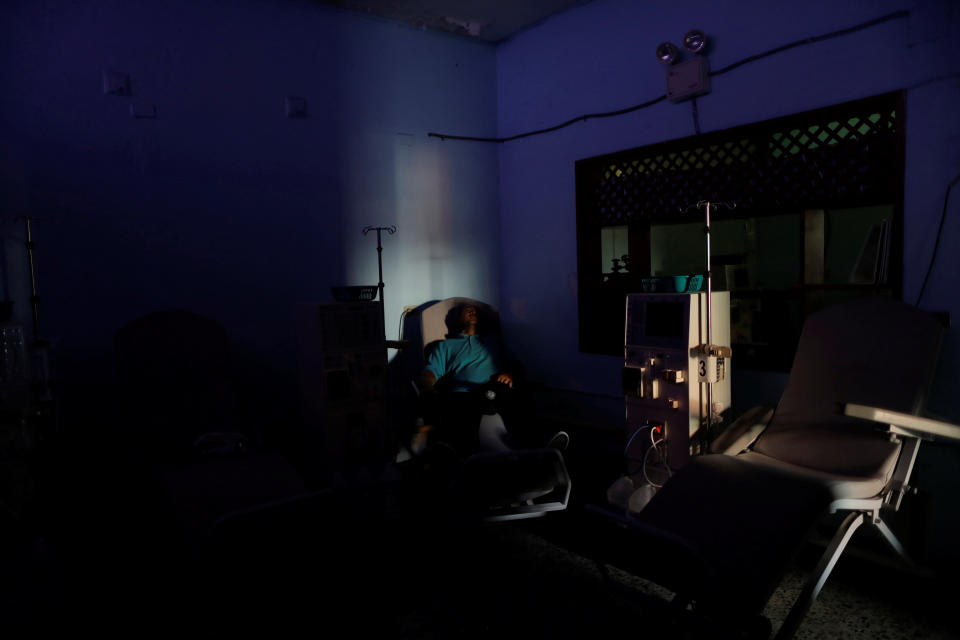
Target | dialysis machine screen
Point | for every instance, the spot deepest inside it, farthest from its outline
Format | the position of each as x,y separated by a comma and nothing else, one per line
657,322
664,319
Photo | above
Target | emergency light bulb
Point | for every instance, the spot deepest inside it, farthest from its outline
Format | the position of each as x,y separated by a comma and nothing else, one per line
667,53
694,41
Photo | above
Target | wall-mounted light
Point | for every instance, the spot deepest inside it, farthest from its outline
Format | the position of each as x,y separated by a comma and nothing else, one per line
694,41
688,78
667,53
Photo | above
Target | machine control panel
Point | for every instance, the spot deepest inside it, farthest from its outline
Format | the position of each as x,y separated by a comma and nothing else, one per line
674,376
672,373
649,376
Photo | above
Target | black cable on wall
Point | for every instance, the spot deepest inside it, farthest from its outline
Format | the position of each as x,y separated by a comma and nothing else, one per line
936,244
649,103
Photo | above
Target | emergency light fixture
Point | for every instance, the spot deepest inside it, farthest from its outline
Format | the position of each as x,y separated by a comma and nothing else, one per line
691,77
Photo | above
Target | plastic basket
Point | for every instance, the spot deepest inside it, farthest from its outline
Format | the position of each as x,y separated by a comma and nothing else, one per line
354,294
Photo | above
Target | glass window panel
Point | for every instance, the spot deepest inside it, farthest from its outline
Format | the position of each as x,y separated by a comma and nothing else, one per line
847,232
614,243
681,249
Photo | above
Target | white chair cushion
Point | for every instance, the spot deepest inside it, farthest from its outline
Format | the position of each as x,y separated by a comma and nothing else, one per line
840,486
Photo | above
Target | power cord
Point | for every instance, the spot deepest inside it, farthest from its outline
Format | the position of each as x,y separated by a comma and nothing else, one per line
583,118
626,449
696,116
649,103
896,15
936,244
655,445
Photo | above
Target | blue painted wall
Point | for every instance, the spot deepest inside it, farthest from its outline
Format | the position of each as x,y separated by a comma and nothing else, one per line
599,57
222,205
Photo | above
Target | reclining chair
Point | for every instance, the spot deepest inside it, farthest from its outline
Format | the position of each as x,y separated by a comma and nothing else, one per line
177,386
501,482
727,524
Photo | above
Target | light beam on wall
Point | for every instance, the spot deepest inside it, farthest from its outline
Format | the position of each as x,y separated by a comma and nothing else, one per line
437,252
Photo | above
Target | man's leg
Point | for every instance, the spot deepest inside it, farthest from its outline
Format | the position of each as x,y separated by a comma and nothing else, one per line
526,431
458,416
515,407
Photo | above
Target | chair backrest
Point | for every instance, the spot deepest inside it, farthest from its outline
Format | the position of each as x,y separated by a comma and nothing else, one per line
437,320
871,350
175,375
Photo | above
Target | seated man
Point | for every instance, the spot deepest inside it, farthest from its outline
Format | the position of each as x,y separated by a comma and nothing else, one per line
467,367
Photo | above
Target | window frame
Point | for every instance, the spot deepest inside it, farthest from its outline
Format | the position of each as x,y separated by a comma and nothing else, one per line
861,169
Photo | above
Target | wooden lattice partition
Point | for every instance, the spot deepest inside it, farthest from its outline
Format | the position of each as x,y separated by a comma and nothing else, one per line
837,157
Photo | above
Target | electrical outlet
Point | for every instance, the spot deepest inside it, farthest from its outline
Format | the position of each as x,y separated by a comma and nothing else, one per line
296,107
143,111
116,83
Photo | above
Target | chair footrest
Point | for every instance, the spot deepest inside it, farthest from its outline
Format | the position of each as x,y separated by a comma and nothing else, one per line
733,525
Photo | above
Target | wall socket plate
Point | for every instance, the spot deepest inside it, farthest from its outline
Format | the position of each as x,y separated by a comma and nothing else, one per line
296,107
116,83
143,111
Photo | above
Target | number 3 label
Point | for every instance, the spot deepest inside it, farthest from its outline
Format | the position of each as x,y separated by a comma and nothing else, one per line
703,368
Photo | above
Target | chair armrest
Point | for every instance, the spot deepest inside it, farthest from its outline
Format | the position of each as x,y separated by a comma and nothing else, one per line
743,431
905,424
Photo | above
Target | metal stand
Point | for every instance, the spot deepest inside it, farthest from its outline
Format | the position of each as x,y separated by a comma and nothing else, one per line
709,348
39,347
392,229
34,298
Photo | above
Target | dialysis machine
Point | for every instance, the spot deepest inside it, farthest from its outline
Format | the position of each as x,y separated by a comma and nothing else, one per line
675,376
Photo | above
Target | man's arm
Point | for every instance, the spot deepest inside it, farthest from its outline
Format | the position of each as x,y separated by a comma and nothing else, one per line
421,435
506,369
427,387
436,366
428,381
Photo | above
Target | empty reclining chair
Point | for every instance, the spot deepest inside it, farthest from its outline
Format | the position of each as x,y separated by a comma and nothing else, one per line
501,482
177,384
182,410
844,438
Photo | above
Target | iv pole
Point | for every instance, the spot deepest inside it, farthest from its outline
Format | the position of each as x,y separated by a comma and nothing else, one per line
709,348
34,298
39,345
392,229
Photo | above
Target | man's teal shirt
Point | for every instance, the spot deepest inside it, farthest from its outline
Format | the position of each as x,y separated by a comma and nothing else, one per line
466,361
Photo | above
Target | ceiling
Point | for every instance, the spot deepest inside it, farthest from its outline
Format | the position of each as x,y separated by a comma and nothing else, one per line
486,20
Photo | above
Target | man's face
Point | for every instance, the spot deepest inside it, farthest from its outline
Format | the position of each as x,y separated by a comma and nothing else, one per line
469,316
